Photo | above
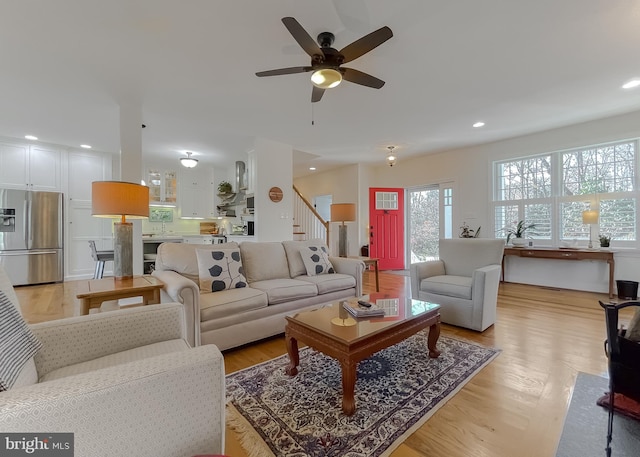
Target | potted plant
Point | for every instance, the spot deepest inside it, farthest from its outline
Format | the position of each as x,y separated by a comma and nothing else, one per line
225,188
605,241
518,233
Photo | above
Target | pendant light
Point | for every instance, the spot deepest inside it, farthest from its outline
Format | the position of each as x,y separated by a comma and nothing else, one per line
391,156
188,161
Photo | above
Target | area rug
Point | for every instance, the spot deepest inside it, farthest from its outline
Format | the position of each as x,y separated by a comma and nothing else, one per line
397,390
585,427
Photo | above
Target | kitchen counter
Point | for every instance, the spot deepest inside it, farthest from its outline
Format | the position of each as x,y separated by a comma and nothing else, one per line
160,238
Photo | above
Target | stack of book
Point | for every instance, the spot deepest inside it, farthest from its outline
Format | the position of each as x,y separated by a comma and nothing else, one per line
358,310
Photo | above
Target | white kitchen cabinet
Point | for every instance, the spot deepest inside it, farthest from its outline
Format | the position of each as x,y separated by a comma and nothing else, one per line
31,167
197,193
163,187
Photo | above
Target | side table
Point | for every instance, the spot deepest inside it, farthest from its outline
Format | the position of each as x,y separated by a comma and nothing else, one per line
370,261
95,291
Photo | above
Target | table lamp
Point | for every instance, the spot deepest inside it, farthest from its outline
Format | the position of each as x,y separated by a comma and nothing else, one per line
590,217
343,212
116,199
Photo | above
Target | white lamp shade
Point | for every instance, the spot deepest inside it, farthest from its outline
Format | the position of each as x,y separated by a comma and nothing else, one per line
590,216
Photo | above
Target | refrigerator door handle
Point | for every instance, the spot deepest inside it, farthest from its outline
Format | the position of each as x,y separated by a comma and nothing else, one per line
17,253
27,223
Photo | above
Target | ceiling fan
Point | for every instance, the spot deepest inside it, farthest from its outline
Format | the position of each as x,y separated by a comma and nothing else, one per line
326,61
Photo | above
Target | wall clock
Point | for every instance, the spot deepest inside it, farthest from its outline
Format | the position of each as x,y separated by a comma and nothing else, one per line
275,194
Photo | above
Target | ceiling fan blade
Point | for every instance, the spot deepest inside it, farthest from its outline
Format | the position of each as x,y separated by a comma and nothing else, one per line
359,77
302,37
366,44
284,71
316,94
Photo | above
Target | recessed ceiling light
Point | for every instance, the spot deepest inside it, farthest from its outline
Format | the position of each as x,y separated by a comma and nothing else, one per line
478,124
631,84
31,137
85,146
312,168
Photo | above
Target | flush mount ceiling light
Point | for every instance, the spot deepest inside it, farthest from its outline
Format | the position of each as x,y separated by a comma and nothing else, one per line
85,146
326,78
631,84
188,161
31,137
478,124
391,156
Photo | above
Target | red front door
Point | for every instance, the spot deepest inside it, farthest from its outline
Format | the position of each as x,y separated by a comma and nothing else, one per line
386,229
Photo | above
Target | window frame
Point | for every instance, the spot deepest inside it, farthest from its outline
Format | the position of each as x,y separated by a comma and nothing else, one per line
557,198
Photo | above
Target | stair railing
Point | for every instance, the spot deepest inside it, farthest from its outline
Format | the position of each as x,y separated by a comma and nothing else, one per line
308,224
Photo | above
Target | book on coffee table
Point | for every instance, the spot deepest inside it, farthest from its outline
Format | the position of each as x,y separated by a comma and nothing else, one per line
358,310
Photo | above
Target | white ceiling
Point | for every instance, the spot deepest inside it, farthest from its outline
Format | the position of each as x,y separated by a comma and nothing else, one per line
521,66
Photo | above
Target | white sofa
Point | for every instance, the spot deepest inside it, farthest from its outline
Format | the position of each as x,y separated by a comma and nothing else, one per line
278,285
123,382
464,281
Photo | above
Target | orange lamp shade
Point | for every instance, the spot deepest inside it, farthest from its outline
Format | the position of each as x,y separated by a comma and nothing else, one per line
117,199
343,212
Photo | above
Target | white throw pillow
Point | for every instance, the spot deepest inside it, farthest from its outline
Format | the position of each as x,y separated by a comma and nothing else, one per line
18,344
220,270
316,260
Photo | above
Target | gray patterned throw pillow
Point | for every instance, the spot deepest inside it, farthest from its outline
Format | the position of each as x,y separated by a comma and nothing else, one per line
220,270
316,260
17,343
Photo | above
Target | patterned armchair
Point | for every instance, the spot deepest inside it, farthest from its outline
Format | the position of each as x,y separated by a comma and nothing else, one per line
124,382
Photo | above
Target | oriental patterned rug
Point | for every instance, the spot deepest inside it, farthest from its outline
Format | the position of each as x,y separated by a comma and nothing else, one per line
397,390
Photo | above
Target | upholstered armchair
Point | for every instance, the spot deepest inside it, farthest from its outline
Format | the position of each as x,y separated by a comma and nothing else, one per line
123,382
464,281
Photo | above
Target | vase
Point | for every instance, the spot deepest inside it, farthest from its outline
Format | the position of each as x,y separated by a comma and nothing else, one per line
518,242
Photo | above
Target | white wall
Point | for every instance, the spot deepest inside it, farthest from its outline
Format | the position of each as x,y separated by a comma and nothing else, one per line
273,221
470,169
344,185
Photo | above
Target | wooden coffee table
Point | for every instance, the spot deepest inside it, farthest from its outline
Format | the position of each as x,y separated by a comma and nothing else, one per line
94,292
332,331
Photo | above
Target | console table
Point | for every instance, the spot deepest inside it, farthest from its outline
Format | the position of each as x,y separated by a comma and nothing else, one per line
564,254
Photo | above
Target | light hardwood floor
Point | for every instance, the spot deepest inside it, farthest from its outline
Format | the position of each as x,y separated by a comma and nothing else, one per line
514,407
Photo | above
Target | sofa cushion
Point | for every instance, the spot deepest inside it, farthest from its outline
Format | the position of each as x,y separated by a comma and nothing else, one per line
181,257
282,290
264,260
330,283
292,248
316,260
220,269
119,358
232,301
18,345
450,285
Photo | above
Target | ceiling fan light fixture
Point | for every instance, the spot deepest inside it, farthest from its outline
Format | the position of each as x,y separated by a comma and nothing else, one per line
326,78
188,161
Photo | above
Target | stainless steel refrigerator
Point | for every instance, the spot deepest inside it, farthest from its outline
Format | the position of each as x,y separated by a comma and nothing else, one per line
31,236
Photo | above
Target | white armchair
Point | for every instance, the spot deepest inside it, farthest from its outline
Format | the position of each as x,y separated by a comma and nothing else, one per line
464,282
124,382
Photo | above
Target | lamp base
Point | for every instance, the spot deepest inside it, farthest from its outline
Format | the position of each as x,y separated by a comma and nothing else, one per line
342,241
123,250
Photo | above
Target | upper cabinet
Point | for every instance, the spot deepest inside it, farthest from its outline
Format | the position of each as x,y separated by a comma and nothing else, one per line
197,193
163,187
30,167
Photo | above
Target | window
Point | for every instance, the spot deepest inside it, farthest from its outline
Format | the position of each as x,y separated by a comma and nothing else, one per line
552,190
